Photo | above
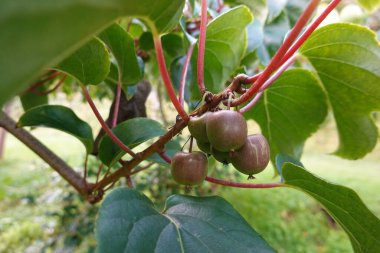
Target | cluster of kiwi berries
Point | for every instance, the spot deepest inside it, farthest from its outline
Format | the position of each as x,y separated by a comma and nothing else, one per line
224,135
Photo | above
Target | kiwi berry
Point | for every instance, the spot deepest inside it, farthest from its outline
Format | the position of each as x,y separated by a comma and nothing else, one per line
189,168
226,130
197,127
223,157
253,157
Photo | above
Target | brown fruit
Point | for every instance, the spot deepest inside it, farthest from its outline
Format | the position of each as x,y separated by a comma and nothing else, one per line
226,130
253,157
197,127
204,146
223,157
189,168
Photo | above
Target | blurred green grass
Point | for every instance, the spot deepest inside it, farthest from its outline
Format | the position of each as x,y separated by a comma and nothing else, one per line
289,220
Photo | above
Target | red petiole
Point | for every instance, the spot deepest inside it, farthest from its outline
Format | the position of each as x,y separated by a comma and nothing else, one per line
104,125
202,47
166,79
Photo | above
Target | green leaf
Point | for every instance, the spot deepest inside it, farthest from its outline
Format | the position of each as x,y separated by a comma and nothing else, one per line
60,118
347,60
290,111
370,5
30,99
122,46
343,204
128,222
41,33
226,42
173,44
132,133
89,65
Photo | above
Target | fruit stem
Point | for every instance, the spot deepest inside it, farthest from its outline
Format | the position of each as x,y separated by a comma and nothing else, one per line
104,125
182,82
268,83
191,144
166,78
242,185
277,58
202,47
165,157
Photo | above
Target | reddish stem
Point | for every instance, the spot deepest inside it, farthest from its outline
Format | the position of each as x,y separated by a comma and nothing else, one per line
220,6
166,78
242,185
165,157
182,81
105,127
274,63
44,93
41,82
202,47
117,104
309,30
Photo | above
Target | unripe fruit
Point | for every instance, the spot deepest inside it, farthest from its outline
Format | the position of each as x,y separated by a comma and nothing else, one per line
223,157
197,127
226,130
204,146
253,157
189,168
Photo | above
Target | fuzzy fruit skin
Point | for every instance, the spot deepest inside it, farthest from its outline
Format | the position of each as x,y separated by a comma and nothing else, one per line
189,168
223,157
197,127
204,146
226,130
253,157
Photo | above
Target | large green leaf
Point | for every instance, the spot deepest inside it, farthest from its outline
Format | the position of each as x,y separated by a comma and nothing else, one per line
90,64
132,133
347,60
290,111
128,222
60,118
226,41
40,33
369,4
122,46
343,204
